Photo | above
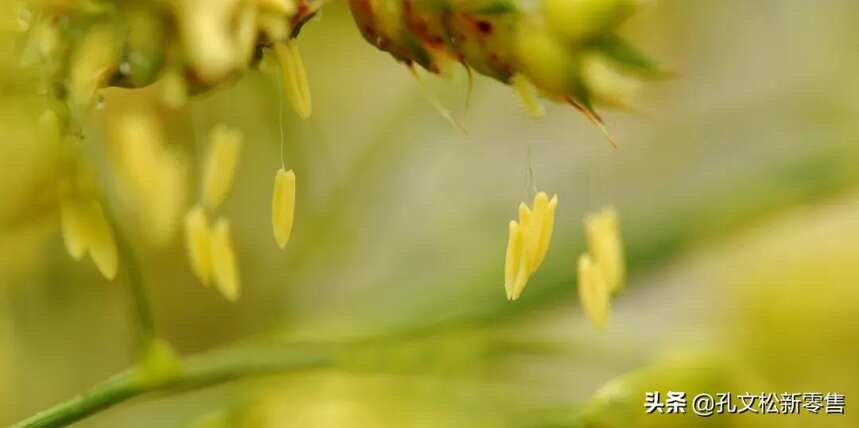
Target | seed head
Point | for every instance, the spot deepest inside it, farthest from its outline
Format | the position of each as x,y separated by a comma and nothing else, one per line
543,40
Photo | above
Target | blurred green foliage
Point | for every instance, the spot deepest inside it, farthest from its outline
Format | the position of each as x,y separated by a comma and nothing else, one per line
734,187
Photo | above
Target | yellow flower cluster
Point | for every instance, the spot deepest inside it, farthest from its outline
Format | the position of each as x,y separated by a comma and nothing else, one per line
528,243
210,248
602,271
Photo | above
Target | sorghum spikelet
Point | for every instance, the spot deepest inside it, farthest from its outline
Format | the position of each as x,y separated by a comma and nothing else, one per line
544,42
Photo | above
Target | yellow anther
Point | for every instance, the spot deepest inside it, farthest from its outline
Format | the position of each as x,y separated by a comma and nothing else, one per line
511,261
73,228
102,246
220,165
85,229
224,265
606,246
528,243
294,78
197,239
594,292
283,206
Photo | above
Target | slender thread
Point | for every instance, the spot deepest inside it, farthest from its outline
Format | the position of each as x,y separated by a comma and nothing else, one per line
280,121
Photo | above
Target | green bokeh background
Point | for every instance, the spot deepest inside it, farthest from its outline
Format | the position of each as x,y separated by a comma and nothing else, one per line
736,183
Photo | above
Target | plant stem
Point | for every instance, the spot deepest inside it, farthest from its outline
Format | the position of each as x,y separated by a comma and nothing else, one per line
94,157
195,372
139,298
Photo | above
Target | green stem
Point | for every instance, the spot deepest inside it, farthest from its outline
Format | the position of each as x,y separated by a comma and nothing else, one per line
195,373
94,158
139,298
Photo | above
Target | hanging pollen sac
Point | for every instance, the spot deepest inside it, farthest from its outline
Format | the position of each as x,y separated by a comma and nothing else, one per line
606,246
594,292
73,228
102,246
85,229
220,164
513,264
528,243
283,206
294,78
197,238
224,266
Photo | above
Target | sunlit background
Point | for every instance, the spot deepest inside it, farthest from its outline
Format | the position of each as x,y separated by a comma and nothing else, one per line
736,183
